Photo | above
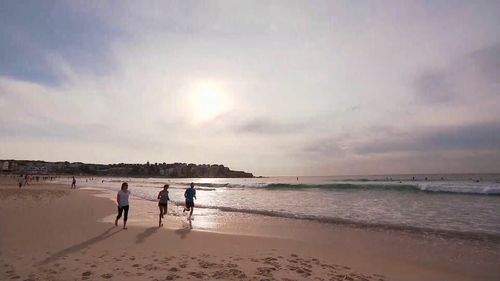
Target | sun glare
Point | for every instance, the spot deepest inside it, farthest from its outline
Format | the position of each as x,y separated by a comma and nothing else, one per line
208,99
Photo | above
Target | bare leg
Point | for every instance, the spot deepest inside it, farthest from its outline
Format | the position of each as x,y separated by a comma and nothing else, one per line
125,216
160,216
120,211
191,213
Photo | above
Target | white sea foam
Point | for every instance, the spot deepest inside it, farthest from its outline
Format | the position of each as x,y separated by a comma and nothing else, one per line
445,205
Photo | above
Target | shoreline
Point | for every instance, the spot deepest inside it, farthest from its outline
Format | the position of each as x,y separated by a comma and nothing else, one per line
439,233
393,254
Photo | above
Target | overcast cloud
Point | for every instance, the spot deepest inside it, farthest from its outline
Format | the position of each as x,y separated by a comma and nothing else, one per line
273,88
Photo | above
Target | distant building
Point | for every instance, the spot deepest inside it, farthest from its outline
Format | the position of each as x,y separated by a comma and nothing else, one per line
5,166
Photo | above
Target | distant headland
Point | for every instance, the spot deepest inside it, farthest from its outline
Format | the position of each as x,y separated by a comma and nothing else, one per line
174,170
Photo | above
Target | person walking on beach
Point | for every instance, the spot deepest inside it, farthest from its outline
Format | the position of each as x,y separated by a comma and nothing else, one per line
73,184
20,181
190,195
163,203
122,200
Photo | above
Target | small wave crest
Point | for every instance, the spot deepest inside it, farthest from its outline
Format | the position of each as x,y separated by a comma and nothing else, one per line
433,187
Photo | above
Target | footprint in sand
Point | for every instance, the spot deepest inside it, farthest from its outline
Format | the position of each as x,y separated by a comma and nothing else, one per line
265,271
87,273
107,275
229,274
198,274
150,267
206,264
172,277
174,269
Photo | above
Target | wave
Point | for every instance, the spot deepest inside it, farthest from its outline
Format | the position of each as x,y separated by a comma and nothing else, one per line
458,188
144,194
206,184
382,226
430,187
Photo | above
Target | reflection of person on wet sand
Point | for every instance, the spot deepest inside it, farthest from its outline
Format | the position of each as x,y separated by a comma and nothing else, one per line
190,195
163,203
183,232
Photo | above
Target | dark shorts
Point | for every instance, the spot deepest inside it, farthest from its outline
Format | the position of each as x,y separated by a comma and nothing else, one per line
163,204
189,204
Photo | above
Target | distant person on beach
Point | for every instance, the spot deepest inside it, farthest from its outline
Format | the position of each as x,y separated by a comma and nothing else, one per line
163,203
122,200
20,181
190,195
73,184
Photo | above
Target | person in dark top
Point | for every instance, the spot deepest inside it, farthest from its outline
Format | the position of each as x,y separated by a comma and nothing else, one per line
190,195
163,203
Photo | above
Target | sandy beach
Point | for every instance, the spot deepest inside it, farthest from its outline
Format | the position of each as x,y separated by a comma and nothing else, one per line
49,232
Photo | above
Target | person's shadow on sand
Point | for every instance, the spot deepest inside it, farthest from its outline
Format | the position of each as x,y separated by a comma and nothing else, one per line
143,236
185,230
80,246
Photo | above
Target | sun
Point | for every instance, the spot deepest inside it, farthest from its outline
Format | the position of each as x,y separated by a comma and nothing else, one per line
208,99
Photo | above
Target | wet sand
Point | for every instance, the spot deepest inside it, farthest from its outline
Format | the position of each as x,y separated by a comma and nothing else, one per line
49,232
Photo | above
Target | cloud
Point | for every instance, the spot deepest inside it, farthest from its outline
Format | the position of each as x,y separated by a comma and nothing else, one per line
479,137
266,127
487,63
434,86
33,33
304,80
326,148
475,74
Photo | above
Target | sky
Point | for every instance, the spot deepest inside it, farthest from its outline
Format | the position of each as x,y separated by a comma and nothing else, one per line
268,87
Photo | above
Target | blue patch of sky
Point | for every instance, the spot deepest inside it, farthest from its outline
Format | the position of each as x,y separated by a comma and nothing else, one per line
31,32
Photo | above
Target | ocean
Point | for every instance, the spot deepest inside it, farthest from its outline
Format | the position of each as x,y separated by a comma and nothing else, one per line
457,205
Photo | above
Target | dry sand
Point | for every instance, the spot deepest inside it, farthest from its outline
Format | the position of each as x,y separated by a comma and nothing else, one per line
49,232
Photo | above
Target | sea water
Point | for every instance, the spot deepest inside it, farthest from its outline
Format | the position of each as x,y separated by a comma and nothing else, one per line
452,204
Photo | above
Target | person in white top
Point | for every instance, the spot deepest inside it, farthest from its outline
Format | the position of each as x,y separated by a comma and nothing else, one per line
122,200
20,180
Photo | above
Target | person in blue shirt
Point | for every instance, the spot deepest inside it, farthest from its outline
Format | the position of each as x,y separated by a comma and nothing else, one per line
190,195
